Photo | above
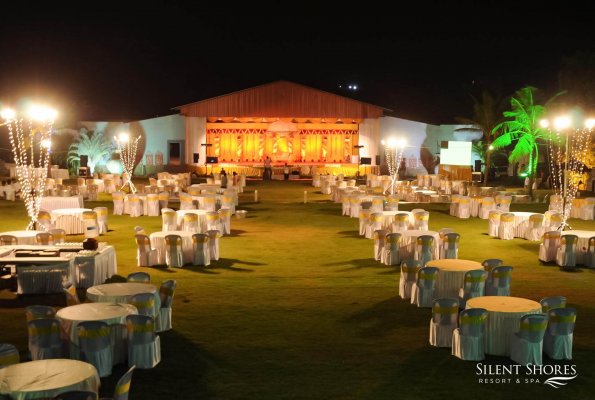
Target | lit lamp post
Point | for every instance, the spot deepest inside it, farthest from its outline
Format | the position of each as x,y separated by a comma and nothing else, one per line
127,148
29,143
576,146
393,150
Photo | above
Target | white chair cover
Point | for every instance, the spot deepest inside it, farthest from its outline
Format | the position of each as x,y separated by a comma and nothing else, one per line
422,219
9,355
374,224
566,254
556,202
44,339
144,347
499,280
445,313
379,241
557,341
503,204
214,236
494,222
118,199
174,255
364,219
169,221
527,344
422,291
454,205
423,249
586,211
163,199
534,231
468,341
409,270
506,228
93,192
225,220
201,249
95,347
145,255
166,294
487,204
463,209
345,202
135,207
102,219
153,204
390,252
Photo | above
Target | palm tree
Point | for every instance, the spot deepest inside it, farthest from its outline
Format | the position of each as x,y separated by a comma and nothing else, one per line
94,145
524,128
483,152
487,114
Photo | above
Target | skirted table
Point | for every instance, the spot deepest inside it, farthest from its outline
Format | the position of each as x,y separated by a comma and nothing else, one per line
121,293
504,316
202,218
45,379
408,243
583,244
93,271
452,276
51,203
114,314
158,242
70,219
24,237
389,217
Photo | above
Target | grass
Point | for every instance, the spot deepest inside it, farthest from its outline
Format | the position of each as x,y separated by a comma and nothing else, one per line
297,308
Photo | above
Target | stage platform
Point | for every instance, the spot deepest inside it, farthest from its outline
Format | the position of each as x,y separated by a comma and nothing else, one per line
305,169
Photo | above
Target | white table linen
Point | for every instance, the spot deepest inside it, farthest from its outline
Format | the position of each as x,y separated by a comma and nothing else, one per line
121,292
521,222
408,243
158,242
24,237
198,200
452,276
583,244
93,271
43,274
70,219
389,216
202,218
51,203
60,173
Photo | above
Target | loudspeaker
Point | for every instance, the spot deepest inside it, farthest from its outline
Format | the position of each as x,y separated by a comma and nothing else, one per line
477,165
377,160
84,160
212,160
196,157
366,160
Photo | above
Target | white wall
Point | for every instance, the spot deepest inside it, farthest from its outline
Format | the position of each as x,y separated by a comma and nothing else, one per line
158,131
368,137
196,135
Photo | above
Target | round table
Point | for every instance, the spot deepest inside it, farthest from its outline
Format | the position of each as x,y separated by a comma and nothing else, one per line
521,222
504,316
51,203
114,314
158,242
389,217
408,243
47,378
583,244
24,237
452,276
202,218
121,292
70,219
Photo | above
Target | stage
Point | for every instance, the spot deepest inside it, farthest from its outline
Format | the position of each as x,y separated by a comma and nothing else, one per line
305,169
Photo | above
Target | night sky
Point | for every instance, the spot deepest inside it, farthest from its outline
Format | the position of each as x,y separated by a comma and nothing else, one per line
120,63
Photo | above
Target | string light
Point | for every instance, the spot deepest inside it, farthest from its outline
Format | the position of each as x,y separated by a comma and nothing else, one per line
127,148
393,151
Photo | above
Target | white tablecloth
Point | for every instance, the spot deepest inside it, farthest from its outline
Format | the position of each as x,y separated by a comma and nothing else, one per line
60,174
38,172
158,242
452,276
408,243
198,200
389,216
24,237
143,203
504,316
521,222
583,244
43,274
93,271
202,218
47,378
70,219
99,183
114,314
51,203
121,292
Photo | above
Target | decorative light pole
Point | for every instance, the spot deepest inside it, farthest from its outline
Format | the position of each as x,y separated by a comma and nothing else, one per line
572,156
31,147
127,148
393,151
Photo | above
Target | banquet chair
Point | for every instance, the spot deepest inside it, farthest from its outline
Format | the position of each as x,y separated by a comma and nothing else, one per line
374,224
136,209
92,192
557,341
81,182
144,346
164,200
499,282
454,204
152,182
556,221
72,298
9,355
39,312
145,255
447,187
494,222
487,205
210,202
101,219
468,341
225,220
44,221
214,236
390,252
506,228
59,235
211,191
552,302
534,231
590,254
95,176
139,230
201,249
463,209
364,219
504,203
400,222
90,224
139,277
8,240
549,247
566,253
587,209
94,345
421,220
489,265
463,188
123,387
174,255
214,222
44,239
392,202
377,204
163,182
420,180
355,205
556,202
191,223
441,234
423,249
109,185
451,246
473,286
409,270
345,202
548,217
422,291
228,201
76,395
445,315
44,339
379,241
153,204
153,189
316,180
166,294
144,303
140,189
427,181
526,346
169,222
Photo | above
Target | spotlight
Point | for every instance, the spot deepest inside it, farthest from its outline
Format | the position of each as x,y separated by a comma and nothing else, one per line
123,137
544,123
590,123
47,143
7,114
562,122
392,142
402,142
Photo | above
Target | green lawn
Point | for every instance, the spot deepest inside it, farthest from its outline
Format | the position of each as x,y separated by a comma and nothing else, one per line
297,308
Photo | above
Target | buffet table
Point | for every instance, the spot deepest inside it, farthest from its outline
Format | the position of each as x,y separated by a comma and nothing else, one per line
51,203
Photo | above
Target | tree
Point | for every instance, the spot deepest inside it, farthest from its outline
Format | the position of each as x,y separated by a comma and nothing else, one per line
525,127
94,145
487,114
485,154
